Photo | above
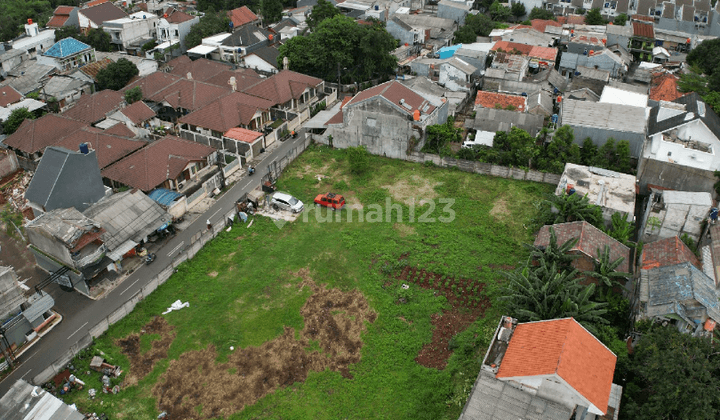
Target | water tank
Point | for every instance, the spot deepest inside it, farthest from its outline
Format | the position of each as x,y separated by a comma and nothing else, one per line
523,94
84,148
377,7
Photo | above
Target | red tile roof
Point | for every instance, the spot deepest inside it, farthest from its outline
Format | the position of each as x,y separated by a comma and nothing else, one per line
227,112
644,30
35,135
151,166
153,83
507,46
57,21
94,108
120,129
284,86
565,348
138,112
95,3
395,92
591,239
541,24
642,17
200,69
241,16
543,53
63,10
92,69
668,251
109,148
571,20
664,87
244,78
491,99
338,118
243,134
8,95
176,16
189,94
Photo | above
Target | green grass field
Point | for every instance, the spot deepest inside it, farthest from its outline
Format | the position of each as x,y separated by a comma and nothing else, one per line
244,290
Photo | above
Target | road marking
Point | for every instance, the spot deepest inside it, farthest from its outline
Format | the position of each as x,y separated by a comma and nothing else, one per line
128,288
213,215
245,186
76,331
32,356
29,370
176,248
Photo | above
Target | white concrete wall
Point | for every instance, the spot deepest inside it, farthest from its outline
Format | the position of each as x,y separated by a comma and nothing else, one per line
696,130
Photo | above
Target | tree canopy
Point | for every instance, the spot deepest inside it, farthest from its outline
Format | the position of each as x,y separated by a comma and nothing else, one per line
321,11
498,12
475,26
17,116
96,38
210,24
133,95
357,52
706,56
620,19
439,135
518,10
116,75
593,17
271,10
538,13
568,208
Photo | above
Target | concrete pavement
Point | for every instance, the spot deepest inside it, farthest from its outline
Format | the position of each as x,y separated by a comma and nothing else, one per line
82,313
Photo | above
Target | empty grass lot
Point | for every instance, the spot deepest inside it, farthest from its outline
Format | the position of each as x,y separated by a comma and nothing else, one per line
315,311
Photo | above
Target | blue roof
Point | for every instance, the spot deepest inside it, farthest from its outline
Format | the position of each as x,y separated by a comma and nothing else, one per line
66,47
447,52
163,196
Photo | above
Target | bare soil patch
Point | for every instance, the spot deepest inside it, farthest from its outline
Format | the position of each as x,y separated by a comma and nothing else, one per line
466,306
213,274
404,229
500,209
414,188
143,363
334,321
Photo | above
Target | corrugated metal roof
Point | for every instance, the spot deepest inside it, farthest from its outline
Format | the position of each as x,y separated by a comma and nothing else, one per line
19,401
604,116
164,196
677,285
39,304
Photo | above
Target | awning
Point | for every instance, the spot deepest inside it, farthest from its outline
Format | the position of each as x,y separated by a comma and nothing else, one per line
164,196
117,253
202,49
322,117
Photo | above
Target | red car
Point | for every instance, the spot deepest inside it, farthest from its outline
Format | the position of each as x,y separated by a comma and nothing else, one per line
330,200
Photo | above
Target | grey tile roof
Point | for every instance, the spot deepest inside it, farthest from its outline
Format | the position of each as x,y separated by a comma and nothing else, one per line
127,215
677,288
19,402
491,119
269,53
605,116
245,36
693,104
66,179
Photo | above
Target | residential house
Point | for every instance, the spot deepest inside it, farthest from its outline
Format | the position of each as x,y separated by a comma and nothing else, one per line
201,69
134,30
127,219
65,179
63,16
605,60
666,252
93,17
454,10
540,57
613,191
590,78
290,91
24,48
664,87
66,90
23,399
108,145
492,120
209,47
30,104
287,28
69,244
264,60
184,96
475,55
242,16
675,213
88,72
672,41
66,54
136,117
619,35
33,136
457,75
528,36
642,41
422,29
145,66
589,247
208,124
172,29
540,102
171,163
618,95
582,42
94,108
238,80
544,370
505,66
384,118
437,94
681,295
582,94
242,41
485,99
9,96
680,150
710,252
248,143
600,121
153,83
427,67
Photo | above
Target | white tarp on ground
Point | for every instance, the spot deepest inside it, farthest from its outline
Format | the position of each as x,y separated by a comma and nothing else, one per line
202,49
176,306
322,117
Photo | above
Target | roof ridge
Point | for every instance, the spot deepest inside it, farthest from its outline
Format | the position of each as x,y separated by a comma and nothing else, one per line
56,180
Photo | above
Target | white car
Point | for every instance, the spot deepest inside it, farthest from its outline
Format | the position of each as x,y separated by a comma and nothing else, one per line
285,201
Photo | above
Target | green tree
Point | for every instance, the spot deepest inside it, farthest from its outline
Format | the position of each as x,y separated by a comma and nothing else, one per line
706,56
516,148
712,99
210,24
321,11
271,10
593,17
606,154
518,10
17,116
620,19
133,95
359,159
538,13
67,31
439,135
562,149
588,153
98,39
693,82
498,12
465,35
116,75
554,254
567,208
622,157
620,229
475,25
605,271
668,372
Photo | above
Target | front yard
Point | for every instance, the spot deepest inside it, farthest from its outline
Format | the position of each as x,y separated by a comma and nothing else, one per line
328,317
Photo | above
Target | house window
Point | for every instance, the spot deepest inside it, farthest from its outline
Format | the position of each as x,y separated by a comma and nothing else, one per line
216,134
176,32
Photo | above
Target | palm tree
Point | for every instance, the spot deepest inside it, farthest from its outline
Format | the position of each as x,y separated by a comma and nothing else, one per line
605,270
554,254
568,208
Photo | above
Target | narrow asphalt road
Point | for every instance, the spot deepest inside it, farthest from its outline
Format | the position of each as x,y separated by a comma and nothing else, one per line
88,312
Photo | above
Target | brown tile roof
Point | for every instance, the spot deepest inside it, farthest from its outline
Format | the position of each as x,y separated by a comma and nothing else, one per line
562,347
507,46
643,30
8,95
189,94
109,148
241,16
664,87
57,21
92,69
282,87
200,69
244,78
243,134
120,129
227,112
543,53
153,83
590,240
95,3
176,16
35,135
338,118
571,20
151,166
643,18
138,112
541,24
63,10
94,108
491,99
103,12
395,92
668,251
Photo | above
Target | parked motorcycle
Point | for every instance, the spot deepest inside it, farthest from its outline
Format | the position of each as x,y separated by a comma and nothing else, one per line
150,258
251,170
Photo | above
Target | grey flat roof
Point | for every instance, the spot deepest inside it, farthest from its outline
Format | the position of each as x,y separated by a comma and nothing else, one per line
604,116
18,403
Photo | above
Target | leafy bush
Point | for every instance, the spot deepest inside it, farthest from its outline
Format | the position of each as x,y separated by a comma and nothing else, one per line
359,159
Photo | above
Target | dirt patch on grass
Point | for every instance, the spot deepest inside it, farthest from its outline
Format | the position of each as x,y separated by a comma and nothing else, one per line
334,321
500,209
142,363
404,229
414,188
466,305
213,274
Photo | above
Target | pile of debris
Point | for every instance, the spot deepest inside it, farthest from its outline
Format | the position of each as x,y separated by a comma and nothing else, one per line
12,189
